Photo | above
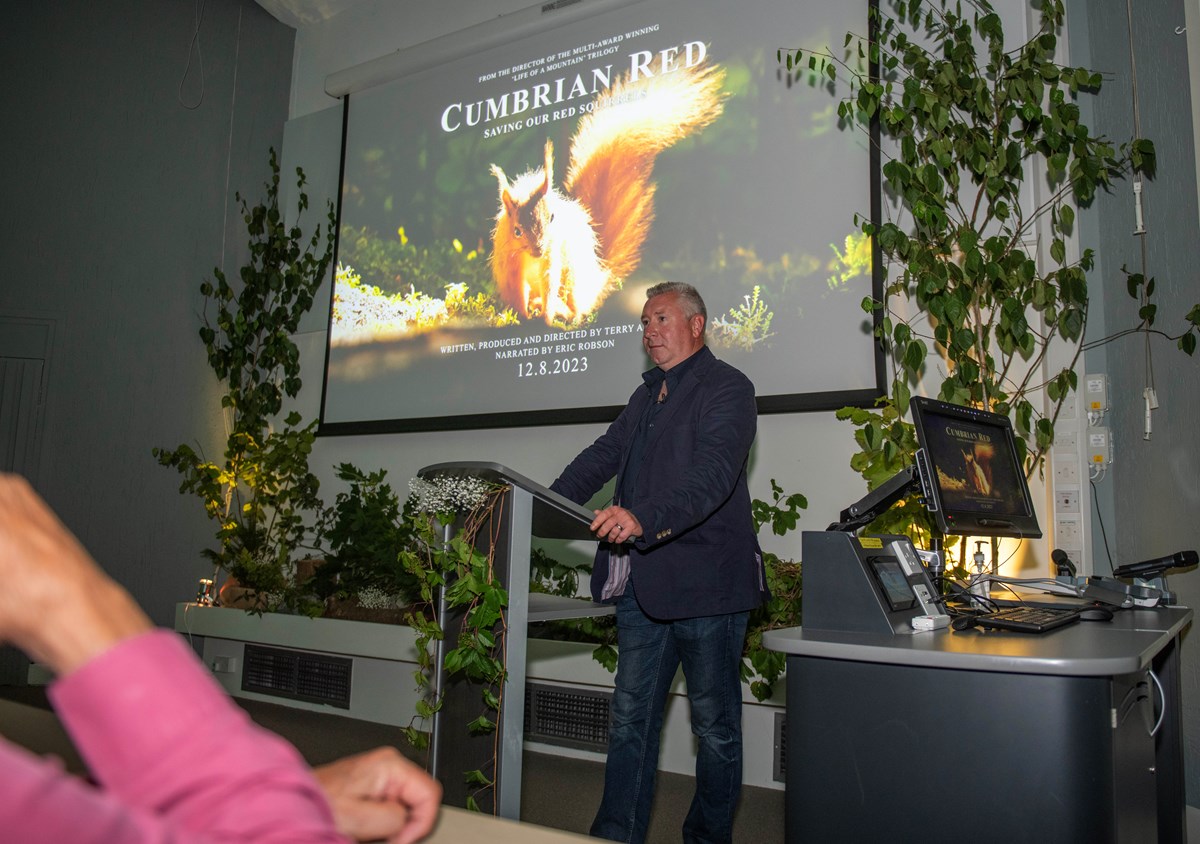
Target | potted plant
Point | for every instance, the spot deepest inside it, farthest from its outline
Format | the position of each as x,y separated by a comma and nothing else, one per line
260,491
364,534
971,120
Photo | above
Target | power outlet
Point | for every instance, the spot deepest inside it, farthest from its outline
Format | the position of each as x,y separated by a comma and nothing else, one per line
1068,534
224,664
1066,471
1066,441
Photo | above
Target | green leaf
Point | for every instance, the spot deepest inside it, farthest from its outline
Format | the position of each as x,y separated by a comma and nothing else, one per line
914,355
481,726
476,777
1058,250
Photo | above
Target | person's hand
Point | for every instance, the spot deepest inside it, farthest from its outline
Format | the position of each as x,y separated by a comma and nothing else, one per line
381,795
616,524
55,604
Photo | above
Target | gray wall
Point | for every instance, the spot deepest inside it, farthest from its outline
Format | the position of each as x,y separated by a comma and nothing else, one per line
1149,501
115,209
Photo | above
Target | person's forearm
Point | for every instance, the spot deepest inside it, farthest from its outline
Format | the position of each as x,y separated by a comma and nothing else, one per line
57,605
79,631
170,748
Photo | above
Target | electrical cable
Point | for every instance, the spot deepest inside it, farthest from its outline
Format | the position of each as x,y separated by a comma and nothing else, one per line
1140,215
1162,697
1100,519
237,53
187,627
1095,344
193,44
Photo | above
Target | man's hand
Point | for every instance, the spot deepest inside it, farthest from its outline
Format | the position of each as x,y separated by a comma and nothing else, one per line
380,795
56,604
616,524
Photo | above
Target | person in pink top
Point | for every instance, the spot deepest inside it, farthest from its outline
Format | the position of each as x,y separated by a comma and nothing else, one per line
174,759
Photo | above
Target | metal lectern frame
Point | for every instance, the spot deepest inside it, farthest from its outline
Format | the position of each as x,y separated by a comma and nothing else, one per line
529,510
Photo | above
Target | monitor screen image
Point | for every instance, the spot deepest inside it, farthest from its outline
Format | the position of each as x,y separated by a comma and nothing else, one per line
971,474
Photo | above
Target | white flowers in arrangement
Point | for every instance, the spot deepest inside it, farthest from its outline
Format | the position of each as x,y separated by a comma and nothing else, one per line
449,493
374,598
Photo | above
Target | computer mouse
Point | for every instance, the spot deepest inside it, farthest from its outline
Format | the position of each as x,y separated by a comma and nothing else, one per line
963,622
1096,614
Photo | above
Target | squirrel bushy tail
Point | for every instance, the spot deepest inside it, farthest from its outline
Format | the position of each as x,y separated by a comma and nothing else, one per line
559,254
614,148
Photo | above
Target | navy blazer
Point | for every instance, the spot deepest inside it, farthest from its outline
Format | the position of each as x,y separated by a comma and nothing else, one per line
698,554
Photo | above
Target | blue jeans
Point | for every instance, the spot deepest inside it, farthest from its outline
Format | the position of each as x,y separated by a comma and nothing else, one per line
649,652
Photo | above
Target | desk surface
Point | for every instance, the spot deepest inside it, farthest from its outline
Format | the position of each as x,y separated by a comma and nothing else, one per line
1087,649
456,826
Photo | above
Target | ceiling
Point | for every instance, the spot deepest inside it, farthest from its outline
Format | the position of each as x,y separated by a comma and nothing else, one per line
298,13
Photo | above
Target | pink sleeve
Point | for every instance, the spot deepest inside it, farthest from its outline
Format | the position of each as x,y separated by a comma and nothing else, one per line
176,759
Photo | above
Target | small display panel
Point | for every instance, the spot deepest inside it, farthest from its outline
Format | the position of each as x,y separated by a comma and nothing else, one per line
971,473
894,583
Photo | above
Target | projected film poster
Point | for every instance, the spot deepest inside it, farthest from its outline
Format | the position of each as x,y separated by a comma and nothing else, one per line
503,216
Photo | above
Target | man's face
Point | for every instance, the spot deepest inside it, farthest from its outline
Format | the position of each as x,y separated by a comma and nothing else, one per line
667,335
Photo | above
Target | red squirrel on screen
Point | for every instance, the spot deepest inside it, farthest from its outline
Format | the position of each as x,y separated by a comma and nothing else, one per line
558,254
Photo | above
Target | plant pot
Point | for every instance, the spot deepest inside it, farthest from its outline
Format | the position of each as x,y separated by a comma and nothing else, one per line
350,610
232,594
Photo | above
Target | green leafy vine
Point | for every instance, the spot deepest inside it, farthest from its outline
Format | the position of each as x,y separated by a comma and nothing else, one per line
451,518
260,490
971,120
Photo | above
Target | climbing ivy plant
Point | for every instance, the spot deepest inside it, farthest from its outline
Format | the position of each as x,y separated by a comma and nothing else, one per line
261,489
969,120
451,517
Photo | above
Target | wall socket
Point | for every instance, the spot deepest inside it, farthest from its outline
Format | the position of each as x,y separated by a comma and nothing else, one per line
1068,534
1066,441
1066,471
224,665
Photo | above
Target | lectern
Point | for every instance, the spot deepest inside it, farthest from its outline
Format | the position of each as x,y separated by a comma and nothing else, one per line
527,510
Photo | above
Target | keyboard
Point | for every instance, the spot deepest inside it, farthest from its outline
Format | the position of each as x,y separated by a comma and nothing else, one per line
1029,619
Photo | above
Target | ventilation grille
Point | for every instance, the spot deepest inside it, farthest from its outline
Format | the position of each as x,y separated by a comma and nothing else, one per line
294,674
567,717
780,747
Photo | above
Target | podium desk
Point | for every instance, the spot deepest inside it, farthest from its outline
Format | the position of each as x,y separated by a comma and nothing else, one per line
1072,735
526,510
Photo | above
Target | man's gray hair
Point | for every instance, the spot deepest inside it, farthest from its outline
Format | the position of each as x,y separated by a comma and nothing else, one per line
689,298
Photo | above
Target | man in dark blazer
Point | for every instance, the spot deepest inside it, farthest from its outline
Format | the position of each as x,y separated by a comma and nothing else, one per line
680,558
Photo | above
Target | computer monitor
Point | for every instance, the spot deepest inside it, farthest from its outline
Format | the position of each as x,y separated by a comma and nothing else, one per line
971,475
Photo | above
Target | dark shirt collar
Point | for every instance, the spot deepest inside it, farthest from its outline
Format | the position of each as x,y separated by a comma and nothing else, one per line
654,377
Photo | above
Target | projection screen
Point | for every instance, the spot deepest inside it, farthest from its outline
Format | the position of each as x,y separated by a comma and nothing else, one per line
503,214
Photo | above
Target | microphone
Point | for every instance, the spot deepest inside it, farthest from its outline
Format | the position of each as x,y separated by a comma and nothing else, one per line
1180,559
1062,563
